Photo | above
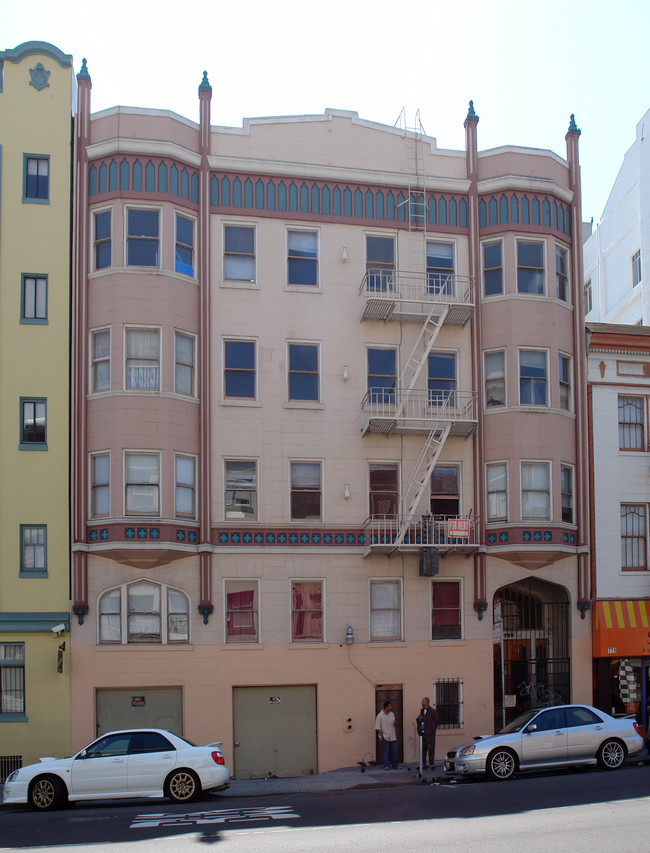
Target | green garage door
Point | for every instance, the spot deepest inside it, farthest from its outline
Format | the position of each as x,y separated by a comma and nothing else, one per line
275,731
140,708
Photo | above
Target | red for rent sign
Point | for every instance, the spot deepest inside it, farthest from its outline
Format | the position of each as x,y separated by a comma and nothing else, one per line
458,528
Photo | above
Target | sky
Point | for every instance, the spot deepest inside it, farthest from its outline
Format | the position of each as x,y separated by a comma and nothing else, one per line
526,65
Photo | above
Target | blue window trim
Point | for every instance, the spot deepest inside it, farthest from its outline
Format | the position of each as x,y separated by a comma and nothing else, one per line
31,445
32,573
33,321
27,199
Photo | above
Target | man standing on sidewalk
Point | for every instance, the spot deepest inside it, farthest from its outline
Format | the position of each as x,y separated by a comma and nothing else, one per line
385,728
431,723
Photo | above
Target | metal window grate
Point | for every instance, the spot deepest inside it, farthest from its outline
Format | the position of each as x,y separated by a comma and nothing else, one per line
9,763
448,699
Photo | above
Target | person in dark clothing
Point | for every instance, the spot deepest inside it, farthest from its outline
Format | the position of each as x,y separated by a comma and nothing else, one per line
431,723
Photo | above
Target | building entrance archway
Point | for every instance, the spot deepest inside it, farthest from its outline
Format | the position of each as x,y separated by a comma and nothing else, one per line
531,657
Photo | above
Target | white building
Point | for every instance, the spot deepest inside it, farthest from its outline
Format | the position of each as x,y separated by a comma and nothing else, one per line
616,253
619,394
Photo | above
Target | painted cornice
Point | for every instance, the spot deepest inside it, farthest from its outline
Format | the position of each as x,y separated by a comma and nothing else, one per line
40,48
524,184
33,622
145,148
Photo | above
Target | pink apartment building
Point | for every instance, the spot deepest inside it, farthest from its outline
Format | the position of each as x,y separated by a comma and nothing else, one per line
329,432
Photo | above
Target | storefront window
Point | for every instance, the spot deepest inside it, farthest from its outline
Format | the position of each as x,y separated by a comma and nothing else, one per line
625,679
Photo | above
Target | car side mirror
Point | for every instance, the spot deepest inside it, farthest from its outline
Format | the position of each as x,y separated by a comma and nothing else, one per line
531,728
82,754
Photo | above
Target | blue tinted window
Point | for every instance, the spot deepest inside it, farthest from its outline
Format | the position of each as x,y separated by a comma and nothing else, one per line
303,257
37,179
442,378
102,239
303,372
382,375
142,238
184,259
492,269
239,370
530,267
532,377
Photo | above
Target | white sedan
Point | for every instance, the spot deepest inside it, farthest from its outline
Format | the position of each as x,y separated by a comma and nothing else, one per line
129,763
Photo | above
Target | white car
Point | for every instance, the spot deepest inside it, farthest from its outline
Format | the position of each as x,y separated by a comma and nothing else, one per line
129,763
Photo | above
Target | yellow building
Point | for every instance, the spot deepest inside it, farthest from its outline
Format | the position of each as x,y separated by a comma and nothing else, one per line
37,101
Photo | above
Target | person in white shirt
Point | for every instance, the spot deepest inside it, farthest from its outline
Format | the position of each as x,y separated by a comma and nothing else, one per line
385,728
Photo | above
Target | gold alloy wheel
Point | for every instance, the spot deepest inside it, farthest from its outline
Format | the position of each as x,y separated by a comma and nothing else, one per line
43,793
183,786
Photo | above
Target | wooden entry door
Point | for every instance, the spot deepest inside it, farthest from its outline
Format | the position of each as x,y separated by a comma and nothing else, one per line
392,694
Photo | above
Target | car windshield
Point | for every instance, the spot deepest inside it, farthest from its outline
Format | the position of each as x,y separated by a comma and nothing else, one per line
518,723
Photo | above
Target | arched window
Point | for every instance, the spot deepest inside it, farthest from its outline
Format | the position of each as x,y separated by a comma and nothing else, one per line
143,612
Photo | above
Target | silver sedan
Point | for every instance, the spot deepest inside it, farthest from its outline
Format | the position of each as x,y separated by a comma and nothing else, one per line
563,735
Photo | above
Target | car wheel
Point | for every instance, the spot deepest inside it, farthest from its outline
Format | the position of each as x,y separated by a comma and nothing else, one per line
47,792
183,786
501,764
611,754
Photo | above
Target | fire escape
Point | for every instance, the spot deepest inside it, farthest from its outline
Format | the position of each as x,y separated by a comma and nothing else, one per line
430,299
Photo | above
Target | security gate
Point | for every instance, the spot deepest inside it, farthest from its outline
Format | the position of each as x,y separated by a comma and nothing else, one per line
535,653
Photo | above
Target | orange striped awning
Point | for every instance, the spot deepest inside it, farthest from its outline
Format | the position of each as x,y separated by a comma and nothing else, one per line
621,628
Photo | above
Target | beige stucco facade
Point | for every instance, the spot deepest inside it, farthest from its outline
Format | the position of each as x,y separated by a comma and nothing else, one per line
239,291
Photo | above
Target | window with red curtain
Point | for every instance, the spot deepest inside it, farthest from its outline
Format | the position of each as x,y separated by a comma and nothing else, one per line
241,612
306,611
445,610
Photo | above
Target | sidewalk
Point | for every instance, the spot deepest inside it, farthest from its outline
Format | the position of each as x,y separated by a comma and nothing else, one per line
346,778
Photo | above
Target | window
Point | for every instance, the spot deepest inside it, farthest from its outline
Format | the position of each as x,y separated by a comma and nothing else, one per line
442,379
562,273
448,700
440,268
12,679
142,243
385,610
307,612
535,490
445,490
143,359
532,378
33,550
101,355
564,375
631,431
445,610
184,363
380,263
33,299
33,426
184,257
495,379
303,372
382,375
36,186
636,268
383,488
530,267
633,536
497,491
305,491
588,297
144,612
242,609
239,253
239,369
241,489
566,476
184,498
100,497
492,269
142,483
102,239
302,261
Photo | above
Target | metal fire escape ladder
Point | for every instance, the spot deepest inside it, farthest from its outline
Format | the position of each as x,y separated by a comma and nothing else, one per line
420,352
419,481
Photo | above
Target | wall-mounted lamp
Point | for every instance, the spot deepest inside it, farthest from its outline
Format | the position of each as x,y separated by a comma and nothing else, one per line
344,254
346,373
346,491
349,635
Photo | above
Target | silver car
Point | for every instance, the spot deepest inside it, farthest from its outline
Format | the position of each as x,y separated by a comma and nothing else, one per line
560,736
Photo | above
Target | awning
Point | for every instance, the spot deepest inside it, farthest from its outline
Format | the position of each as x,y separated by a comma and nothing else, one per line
621,628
